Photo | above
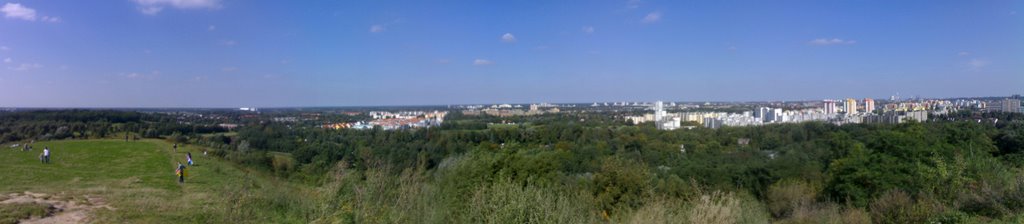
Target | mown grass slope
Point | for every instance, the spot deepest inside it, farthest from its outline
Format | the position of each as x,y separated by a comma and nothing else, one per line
137,179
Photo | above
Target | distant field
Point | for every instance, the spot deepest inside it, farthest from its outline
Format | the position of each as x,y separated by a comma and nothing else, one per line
136,182
228,134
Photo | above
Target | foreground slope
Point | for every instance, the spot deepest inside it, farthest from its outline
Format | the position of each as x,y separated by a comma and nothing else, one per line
116,181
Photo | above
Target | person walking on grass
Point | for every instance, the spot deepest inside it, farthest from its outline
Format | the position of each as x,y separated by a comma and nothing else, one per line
180,171
188,155
175,147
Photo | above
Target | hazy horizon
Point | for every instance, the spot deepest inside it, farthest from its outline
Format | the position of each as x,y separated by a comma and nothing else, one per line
229,53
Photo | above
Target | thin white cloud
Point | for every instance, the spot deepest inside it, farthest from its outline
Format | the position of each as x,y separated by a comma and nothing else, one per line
632,4
228,43
833,41
482,62
508,38
228,69
26,67
211,28
140,75
731,48
4,48
7,60
151,10
17,11
963,53
182,4
153,7
377,28
51,19
978,63
652,17
443,61
588,29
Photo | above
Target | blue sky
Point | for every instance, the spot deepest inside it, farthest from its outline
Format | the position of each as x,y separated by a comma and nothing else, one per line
233,53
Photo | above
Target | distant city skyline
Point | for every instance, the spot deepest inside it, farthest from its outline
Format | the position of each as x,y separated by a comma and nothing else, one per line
229,53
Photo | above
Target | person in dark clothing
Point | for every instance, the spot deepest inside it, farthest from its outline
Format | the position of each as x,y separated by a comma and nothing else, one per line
181,173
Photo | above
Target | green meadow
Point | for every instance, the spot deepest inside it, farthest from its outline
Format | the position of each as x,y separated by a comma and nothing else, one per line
136,181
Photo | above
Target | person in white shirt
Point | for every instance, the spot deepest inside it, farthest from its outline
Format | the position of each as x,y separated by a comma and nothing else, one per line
46,154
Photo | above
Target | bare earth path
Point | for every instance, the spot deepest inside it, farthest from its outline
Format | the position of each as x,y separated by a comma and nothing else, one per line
61,208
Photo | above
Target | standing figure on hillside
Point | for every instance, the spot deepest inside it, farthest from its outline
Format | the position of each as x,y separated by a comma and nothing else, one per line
175,147
46,154
188,155
180,171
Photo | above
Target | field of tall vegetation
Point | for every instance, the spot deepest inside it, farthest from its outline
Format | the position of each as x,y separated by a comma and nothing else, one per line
590,168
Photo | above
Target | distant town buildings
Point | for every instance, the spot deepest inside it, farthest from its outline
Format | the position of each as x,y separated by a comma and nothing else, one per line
394,120
507,110
760,116
893,112
710,122
228,126
1010,105
894,117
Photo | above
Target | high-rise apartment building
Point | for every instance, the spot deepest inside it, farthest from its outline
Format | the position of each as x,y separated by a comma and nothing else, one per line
762,113
659,111
869,105
830,107
851,106
661,119
774,115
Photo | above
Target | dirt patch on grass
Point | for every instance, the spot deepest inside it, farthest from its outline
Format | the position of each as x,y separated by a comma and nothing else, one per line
30,207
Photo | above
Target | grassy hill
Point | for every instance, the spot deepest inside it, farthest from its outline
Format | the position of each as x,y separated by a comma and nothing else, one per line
136,183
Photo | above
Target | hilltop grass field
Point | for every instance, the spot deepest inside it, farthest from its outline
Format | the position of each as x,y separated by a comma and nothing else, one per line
135,183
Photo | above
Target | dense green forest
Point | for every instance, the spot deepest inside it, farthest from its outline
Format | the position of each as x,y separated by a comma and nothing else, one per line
71,124
585,168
